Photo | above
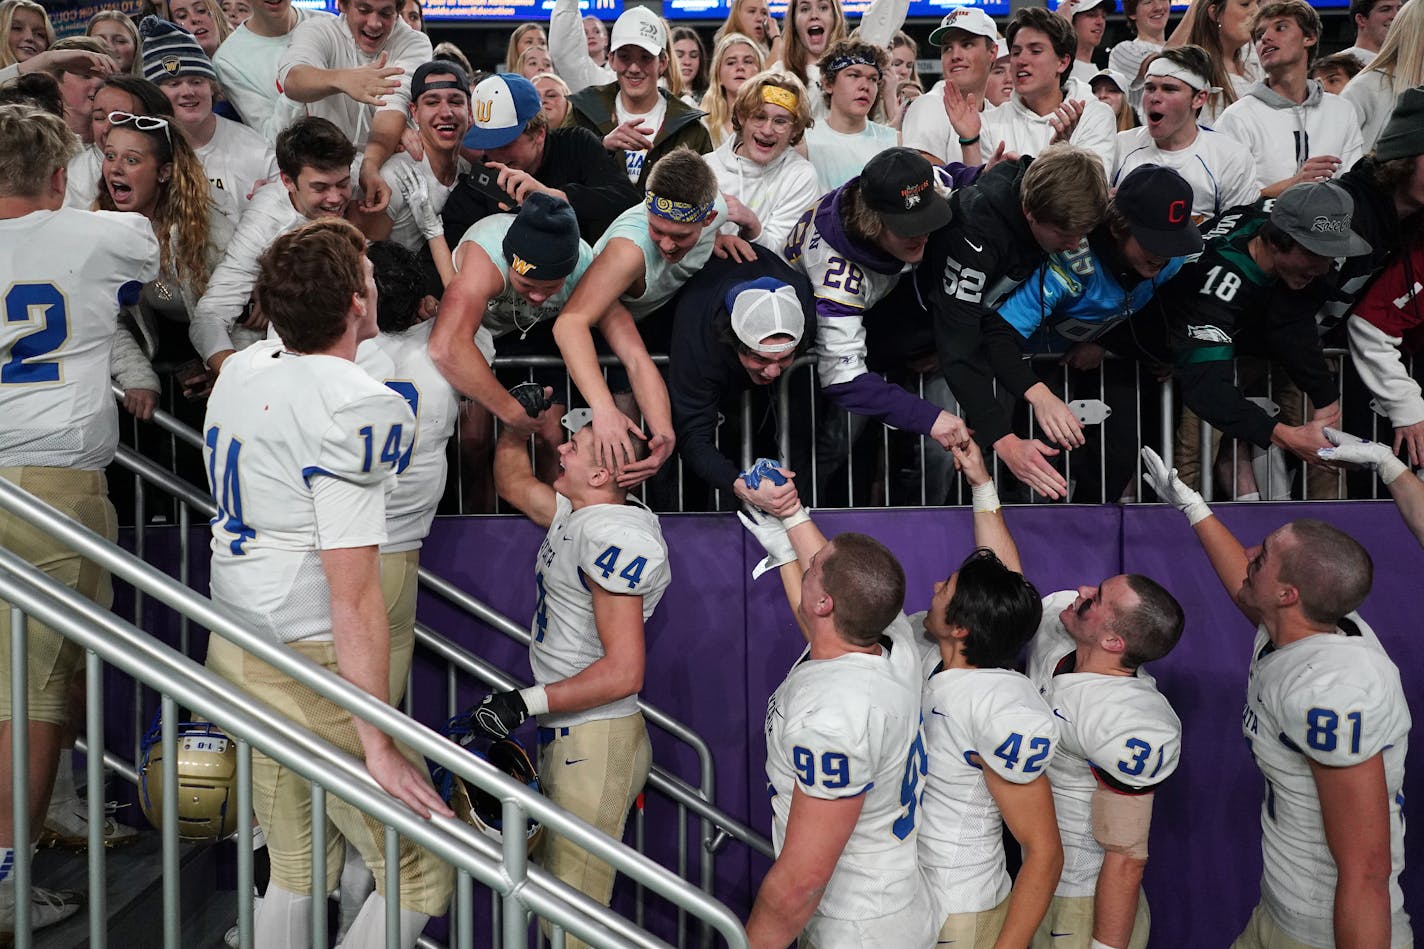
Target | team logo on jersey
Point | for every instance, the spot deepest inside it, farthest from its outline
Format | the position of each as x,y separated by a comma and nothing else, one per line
1208,334
520,265
171,64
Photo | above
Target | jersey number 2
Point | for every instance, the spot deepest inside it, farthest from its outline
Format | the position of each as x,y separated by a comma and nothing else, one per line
26,303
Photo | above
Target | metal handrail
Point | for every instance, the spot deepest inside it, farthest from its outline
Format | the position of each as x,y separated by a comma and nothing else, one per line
698,800
133,651
153,582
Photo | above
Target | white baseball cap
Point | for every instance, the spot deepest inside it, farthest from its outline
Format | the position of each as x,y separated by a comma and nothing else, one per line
970,20
1086,5
763,308
638,27
1113,76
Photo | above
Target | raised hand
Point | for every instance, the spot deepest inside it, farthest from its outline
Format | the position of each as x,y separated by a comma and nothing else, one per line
1170,488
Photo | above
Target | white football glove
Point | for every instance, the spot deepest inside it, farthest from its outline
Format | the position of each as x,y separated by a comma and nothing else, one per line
771,534
1353,450
1171,489
417,201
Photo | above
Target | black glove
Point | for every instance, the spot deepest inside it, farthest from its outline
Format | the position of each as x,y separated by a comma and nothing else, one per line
531,396
500,713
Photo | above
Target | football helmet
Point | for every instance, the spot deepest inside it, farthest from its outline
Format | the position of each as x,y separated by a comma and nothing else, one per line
474,806
207,780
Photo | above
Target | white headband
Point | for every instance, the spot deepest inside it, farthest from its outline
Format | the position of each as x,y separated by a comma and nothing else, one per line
1162,66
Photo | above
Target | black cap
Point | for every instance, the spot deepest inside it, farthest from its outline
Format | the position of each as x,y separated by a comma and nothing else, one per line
438,67
542,242
898,184
1157,203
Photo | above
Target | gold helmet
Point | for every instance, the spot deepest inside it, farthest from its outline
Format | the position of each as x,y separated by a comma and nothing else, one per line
207,780
474,806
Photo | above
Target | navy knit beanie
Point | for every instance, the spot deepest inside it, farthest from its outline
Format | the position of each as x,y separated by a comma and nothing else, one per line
543,241
169,52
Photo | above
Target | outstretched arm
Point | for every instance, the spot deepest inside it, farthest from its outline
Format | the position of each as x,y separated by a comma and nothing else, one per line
649,391
618,266
515,481
990,529
1407,490
1227,556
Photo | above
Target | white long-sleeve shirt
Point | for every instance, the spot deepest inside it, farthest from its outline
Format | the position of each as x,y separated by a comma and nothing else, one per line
1025,132
777,193
1282,134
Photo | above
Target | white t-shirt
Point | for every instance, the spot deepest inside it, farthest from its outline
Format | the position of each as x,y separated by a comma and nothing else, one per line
247,66
653,119
998,715
326,43
300,451
1083,71
1120,727
1220,169
620,547
84,179
1362,56
1024,132
847,727
1372,95
839,157
926,127
61,274
404,230
1335,699
234,160
401,362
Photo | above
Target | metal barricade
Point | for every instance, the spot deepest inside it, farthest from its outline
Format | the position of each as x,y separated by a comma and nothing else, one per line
523,889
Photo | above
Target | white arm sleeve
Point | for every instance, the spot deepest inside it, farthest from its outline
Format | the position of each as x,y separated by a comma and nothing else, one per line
568,48
882,18
1377,359
231,283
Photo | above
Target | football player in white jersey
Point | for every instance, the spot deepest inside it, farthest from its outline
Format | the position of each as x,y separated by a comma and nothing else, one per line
845,755
600,572
990,739
60,425
301,446
1328,724
1119,739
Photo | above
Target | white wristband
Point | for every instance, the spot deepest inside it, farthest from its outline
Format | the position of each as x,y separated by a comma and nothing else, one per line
986,498
801,516
1391,468
536,700
1196,511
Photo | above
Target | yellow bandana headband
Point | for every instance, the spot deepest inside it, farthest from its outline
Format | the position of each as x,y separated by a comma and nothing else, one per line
775,95
679,212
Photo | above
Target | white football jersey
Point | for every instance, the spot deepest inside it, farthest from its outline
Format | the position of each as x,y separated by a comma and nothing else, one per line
850,726
1335,699
1115,729
280,428
617,546
844,290
998,715
401,362
61,273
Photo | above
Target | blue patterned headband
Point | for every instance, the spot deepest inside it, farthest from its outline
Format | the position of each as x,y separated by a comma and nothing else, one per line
854,59
679,212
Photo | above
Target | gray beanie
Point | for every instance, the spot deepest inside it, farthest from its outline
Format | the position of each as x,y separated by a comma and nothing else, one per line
542,242
1403,135
169,51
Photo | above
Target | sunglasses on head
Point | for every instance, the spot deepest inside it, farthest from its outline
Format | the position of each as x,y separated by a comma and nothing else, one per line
144,123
